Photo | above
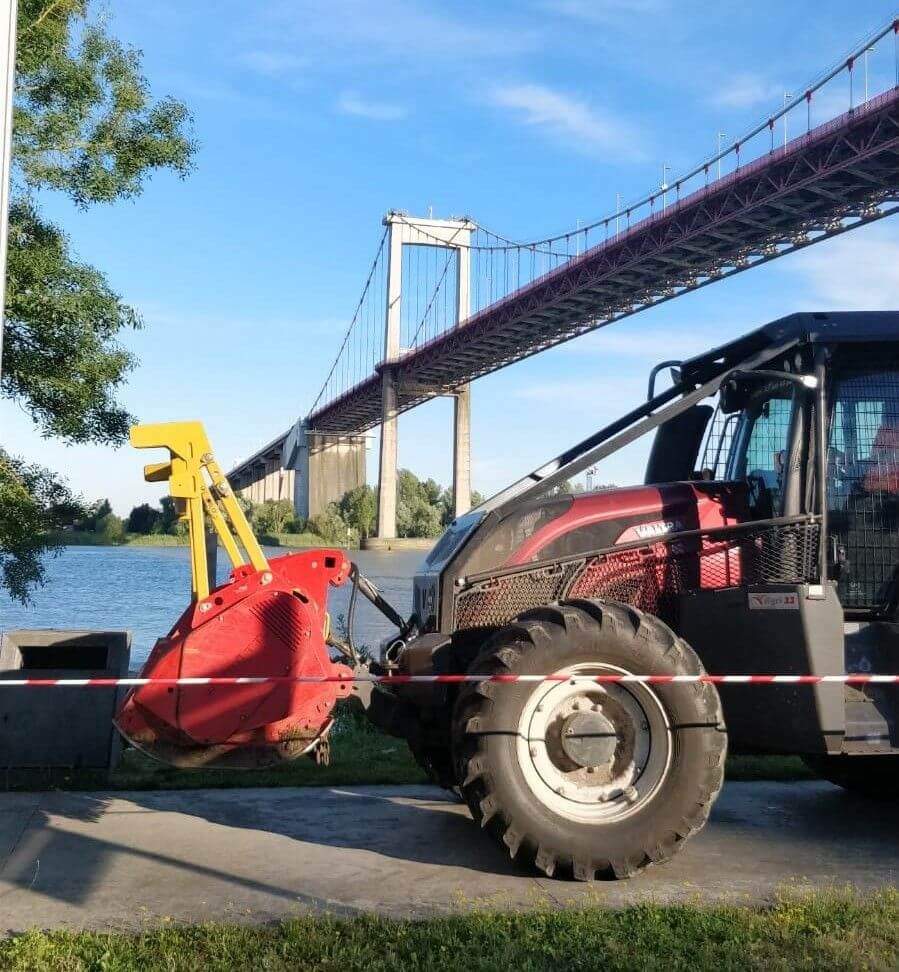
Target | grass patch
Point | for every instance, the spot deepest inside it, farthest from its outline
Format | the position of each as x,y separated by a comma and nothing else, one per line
80,538
360,754
300,540
783,768
821,931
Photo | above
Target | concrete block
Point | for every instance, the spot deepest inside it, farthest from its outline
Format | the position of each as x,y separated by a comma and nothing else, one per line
61,726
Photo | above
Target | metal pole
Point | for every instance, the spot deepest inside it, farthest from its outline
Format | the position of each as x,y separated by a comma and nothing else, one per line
8,11
721,135
867,52
788,97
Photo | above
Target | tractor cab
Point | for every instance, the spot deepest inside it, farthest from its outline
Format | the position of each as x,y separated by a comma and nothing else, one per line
771,495
745,452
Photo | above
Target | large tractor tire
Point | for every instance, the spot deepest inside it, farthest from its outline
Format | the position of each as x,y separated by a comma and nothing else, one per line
582,779
876,777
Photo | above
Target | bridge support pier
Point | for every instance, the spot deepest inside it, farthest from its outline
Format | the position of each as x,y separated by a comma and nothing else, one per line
386,529
462,450
325,467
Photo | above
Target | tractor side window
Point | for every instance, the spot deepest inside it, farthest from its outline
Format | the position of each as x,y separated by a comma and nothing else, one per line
718,443
863,484
760,449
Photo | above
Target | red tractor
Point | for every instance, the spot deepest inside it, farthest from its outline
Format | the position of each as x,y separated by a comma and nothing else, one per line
765,540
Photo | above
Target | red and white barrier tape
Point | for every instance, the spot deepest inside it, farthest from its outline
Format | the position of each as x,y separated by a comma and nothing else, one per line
447,679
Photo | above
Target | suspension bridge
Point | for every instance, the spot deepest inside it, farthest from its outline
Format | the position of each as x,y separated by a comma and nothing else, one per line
448,301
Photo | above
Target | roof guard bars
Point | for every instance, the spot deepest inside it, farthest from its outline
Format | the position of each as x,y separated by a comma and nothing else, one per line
635,424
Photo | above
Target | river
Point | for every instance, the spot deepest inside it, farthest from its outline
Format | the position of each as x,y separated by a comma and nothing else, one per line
145,589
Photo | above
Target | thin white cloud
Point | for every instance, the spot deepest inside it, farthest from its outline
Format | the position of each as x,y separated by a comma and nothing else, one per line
402,33
272,62
597,394
569,119
603,11
629,340
351,103
746,91
858,271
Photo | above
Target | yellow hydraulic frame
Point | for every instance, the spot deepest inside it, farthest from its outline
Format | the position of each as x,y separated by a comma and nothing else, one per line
191,464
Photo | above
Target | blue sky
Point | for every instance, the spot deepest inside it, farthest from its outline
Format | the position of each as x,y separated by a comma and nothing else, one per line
317,116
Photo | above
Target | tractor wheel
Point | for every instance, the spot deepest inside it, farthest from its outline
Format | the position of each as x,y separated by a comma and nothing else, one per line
585,779
871,776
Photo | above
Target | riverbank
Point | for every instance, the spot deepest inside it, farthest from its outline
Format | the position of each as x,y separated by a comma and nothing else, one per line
842,930
80,538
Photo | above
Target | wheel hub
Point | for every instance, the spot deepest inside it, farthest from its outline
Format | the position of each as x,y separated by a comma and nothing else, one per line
589,739
593,752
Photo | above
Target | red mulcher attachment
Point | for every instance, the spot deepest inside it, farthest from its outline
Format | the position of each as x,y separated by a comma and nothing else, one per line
268,619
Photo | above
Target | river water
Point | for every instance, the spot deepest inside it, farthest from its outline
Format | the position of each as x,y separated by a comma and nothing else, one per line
145,589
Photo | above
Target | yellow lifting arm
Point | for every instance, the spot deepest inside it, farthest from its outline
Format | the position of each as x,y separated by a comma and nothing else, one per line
191,463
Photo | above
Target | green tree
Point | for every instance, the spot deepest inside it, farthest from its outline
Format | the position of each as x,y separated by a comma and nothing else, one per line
111,528
423,520
32,502
143,519
273,516
419,506
94,513
359,509
330,526
448,505
85,125
168,515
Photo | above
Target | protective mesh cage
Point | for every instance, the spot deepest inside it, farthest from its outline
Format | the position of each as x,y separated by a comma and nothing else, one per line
718,441
653,576
863,485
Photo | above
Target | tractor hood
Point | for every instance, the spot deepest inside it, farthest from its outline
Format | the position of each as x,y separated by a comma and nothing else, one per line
564,525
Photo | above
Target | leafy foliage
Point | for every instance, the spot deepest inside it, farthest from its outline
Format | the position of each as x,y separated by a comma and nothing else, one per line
85,124
143,519
32,502
93,514
330,526
274,517
61,359
111,528
359,510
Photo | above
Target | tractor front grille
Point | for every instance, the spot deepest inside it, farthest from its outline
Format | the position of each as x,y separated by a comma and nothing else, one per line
652,576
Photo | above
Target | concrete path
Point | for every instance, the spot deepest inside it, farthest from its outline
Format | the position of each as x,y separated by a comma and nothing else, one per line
98,860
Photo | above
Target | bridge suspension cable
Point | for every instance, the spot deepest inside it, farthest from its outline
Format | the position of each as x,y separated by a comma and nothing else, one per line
352,363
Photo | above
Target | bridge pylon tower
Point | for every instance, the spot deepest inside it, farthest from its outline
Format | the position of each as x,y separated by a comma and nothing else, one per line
450,234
